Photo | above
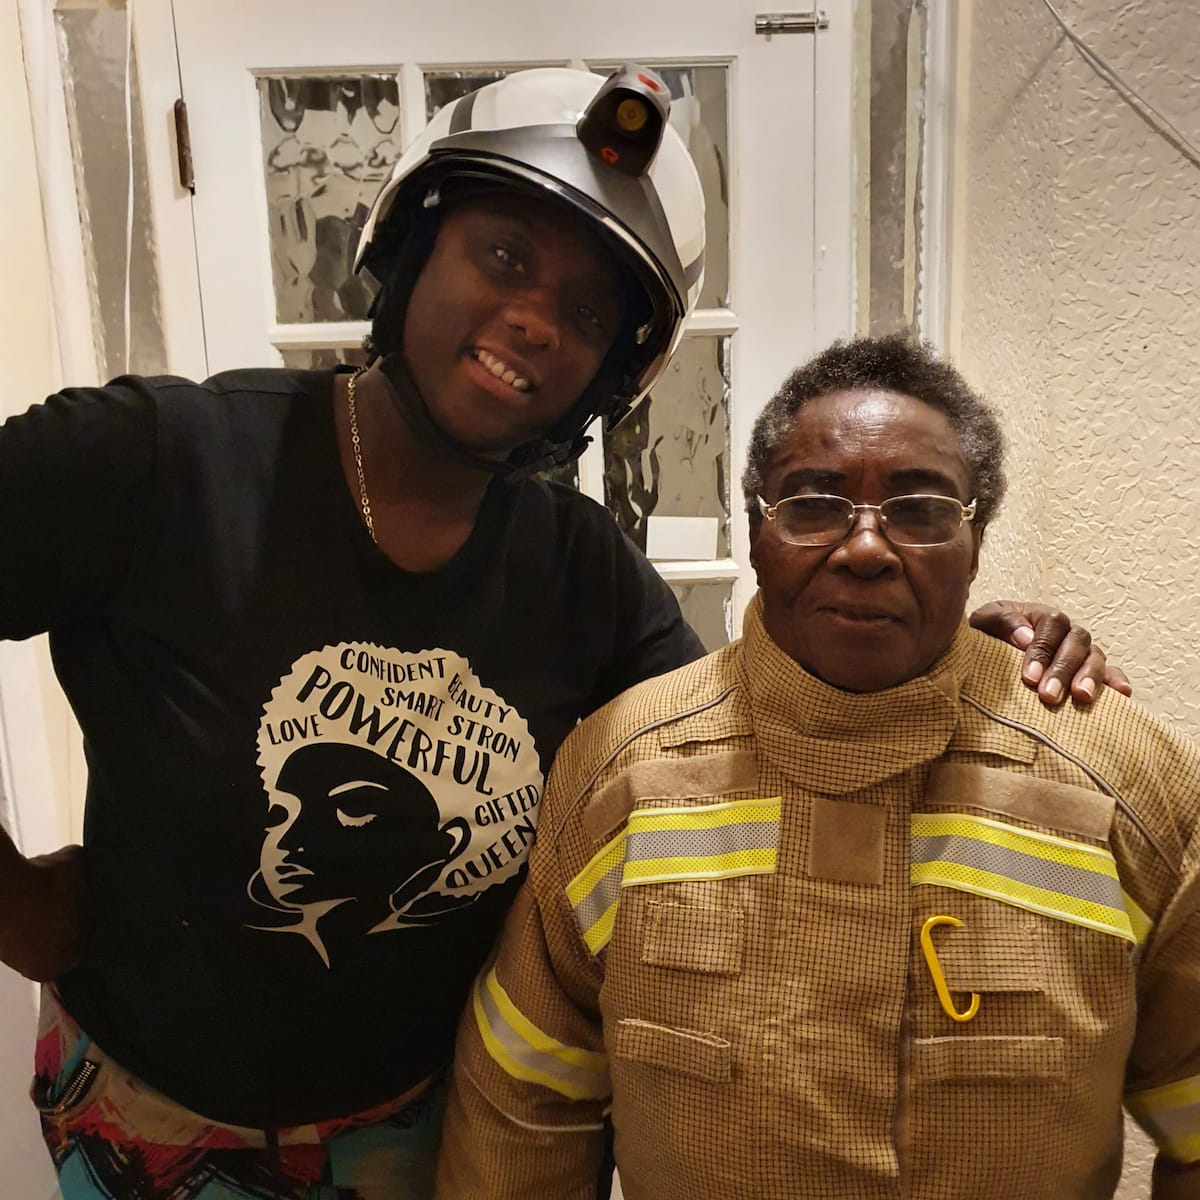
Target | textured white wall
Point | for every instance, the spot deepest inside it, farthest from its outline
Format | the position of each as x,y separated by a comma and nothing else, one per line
1080,249
1127,334
1003,302
1077,258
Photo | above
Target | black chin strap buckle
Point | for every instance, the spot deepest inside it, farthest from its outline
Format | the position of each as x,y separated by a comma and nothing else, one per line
544,456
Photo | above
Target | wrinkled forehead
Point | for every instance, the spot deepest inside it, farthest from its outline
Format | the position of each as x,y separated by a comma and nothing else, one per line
847,433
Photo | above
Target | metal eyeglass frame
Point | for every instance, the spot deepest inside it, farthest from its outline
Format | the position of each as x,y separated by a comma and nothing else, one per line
966,513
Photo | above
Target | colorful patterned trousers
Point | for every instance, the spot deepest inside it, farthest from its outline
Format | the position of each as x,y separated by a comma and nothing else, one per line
112,1137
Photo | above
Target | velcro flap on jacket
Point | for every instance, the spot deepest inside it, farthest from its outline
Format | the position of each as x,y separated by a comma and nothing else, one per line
1000,952
847,841
706,775
703,1055
690,938
1043,802
974,1058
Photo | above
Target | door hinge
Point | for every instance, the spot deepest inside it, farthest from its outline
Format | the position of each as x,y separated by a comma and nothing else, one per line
796,22
183,147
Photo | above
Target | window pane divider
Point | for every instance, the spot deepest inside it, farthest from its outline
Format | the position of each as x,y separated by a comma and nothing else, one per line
323,335
697,572
337,334
709,321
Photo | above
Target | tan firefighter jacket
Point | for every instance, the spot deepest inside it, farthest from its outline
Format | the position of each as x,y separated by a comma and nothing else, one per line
921,943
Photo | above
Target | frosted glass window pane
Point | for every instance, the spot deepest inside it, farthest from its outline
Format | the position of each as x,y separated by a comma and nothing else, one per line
328,145
670,457
91,43
700,115
708,608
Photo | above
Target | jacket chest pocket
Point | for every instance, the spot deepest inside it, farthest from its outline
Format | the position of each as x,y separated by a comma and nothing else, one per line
702,1056
991,1019
1049,993
1022,937
678,1015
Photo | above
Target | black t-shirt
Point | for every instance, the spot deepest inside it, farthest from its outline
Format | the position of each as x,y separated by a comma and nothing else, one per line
312,776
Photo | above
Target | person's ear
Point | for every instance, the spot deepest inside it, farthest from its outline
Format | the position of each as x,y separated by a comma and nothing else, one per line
756,524
976,546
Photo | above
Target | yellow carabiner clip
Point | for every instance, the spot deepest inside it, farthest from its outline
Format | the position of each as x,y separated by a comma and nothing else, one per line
935,969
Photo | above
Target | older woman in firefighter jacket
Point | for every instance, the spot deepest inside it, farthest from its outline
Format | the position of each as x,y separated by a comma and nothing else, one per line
841,910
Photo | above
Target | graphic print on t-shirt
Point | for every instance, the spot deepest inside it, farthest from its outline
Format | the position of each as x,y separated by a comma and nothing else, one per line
400,789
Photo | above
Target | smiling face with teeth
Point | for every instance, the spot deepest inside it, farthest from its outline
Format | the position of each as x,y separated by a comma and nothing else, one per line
509,319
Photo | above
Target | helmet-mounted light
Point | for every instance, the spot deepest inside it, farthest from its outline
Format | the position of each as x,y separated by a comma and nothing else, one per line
624,123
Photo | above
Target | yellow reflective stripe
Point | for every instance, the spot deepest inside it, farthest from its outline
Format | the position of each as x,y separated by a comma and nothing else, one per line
706,841
526,1052
1139,919
1184,1149
599,865
539,1041
1022,895
594,891
1070,881
1025,841
1171,1115
1167,1095
706,816
760,861
599,933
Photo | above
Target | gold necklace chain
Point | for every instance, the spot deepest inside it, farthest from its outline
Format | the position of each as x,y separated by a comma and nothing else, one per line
356,443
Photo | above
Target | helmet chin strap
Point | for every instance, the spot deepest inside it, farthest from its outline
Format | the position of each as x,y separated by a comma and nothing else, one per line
530,457
411,403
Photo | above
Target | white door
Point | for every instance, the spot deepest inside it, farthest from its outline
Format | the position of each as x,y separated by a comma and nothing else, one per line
297,109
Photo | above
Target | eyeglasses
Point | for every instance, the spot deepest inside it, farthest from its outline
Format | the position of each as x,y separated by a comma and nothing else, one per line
903,520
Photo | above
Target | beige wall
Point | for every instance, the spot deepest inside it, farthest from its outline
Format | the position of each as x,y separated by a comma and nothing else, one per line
1076,257
28,349
26,317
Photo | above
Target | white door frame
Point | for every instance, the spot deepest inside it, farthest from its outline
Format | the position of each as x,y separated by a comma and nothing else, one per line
943,194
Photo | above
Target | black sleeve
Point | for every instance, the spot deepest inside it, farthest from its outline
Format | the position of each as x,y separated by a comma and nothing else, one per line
653,637
75,474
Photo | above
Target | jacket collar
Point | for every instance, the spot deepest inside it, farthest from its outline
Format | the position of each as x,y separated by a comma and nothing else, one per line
836,742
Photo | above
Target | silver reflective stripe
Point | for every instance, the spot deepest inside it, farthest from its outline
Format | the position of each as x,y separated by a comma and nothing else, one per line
1036,872
696,843
598,901
527,1053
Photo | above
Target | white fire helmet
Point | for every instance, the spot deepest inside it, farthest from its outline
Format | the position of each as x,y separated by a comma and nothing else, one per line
604,147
